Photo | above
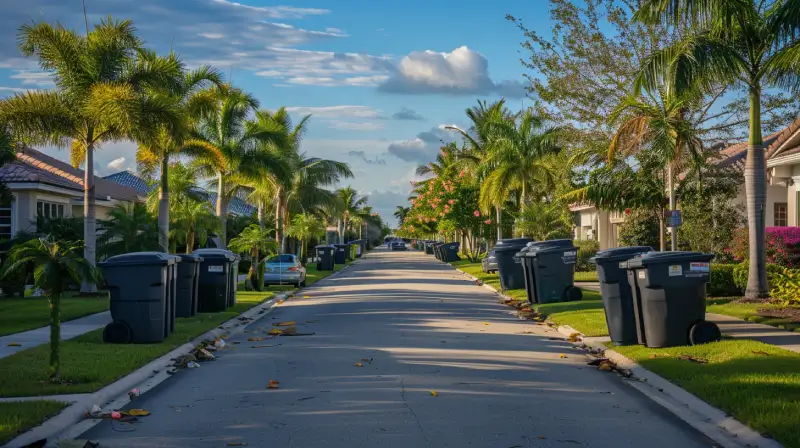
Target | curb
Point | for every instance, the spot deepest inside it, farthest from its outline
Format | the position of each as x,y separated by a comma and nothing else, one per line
705,418
147,377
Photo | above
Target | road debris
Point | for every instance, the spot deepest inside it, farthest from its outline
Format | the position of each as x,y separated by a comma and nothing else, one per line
284,324
14,344
574,337
434,393
264,346
273,384
358,364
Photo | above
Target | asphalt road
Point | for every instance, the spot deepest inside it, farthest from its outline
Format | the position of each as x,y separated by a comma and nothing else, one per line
420,327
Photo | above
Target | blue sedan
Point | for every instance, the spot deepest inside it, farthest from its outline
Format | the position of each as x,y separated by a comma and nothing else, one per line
284,269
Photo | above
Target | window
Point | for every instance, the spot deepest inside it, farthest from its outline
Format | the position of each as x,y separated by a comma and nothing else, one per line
5,222
780,215
49,209
285,258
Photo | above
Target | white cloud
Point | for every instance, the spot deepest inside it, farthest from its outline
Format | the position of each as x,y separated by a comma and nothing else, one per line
116,164
337,111
14,89
334,30
276,12
356,126
33,78
212,35
462,71
424,147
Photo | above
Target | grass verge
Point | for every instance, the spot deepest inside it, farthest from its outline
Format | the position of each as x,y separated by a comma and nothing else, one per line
586,276
87,364
758,384
18,315
18,417
762,313
586,316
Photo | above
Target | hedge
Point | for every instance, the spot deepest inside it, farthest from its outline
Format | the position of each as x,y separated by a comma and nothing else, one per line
722,281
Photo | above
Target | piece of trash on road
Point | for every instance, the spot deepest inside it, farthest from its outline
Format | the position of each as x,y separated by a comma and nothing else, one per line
220,343
273,384
284,324
136,413
574,337
358,364
306,297
192,365
115,415
255,339
134,393
434,393
562,356
14,344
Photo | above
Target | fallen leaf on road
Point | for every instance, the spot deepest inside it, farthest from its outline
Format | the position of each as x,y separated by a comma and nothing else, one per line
542,437
562,356
434,393
255,339
574,337
275,332
15,344
486,323
284,324
273,384
605,366
306,297
137,413
358,364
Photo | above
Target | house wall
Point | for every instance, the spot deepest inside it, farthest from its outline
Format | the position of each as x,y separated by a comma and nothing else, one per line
775,193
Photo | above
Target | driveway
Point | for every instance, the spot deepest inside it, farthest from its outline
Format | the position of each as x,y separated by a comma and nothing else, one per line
417,327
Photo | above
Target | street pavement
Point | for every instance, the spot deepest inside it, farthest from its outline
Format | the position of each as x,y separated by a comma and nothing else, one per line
444,365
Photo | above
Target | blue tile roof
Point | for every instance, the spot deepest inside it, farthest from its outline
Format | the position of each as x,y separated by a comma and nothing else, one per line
237,205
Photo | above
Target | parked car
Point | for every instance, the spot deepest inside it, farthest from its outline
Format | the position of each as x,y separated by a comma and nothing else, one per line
489,263
397,245
284,269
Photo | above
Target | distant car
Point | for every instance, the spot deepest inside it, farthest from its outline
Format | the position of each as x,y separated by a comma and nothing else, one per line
489,263
284,269
397,245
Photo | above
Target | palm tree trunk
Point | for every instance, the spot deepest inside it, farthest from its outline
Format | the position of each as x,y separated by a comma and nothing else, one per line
756,193
278,218
673,230
252,276
284,221
344,230
260,215
89,221
163,207
662,246
221,210
498,220
189,241
55,335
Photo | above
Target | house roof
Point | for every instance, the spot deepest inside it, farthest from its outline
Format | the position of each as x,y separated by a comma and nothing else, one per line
776,144
35,167
237,205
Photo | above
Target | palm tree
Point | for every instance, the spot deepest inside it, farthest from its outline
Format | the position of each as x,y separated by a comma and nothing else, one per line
56,264
228,147
661,128
543,221
103,85
304,227
157,145
400,213
724,42
194,221
351,202
255,241
128,230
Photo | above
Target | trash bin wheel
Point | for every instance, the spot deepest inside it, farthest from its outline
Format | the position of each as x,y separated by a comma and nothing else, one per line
117,332
573,294
704,332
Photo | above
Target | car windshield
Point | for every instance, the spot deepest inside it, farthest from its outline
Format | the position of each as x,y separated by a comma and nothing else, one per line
281,259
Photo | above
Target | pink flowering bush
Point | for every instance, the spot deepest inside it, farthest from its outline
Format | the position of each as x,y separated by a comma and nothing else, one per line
781,244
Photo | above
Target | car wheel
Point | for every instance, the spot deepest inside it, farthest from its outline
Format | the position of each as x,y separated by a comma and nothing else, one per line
302,284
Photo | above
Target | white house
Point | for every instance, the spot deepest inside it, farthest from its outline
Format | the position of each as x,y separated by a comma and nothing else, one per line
783,172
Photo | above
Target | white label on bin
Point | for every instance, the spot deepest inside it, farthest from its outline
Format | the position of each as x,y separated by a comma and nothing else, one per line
699,267
215,269
642,274
675,270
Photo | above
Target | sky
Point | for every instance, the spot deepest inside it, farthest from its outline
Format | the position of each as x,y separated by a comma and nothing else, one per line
381,80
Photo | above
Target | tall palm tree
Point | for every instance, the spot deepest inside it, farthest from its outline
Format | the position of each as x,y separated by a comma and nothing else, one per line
56,264
194,221
543,221
304,227
104,82
400,213
128,230
255,241
228,146
160,143
351,202
754,43
661,127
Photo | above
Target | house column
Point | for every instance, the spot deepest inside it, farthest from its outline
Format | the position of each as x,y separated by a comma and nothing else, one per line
604,236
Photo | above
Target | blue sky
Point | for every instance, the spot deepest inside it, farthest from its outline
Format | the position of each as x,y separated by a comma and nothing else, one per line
380,79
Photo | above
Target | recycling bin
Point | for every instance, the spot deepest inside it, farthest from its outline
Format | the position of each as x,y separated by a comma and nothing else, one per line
508,265
340,253
549,268
141,287
429,247
353,250
450,252
187,281
437,250
669,299
360,247
216,271
234,279
325,257
616,291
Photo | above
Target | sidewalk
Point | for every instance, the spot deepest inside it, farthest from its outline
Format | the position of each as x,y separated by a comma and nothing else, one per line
739,329
70,329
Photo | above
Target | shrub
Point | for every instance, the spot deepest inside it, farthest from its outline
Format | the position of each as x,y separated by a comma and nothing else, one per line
586,250
740,272
780,245
640,228
784,286
722,281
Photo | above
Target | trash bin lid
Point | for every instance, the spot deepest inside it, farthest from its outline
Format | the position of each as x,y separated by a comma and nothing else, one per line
541,247
619,253
190,258
515,241
211,252
515,245
651,258
141,258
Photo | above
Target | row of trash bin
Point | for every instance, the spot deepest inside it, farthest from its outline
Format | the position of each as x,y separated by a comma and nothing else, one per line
148,290
446,252
332,254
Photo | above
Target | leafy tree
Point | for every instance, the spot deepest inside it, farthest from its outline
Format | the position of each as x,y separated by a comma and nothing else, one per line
101,95
351,202
57,263
257,242
401,212
543,221
194,221
732,43
304,227
640,228
128,230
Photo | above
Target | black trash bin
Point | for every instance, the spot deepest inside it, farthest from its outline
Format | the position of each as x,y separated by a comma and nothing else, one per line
340,253
234,286
508,265
450,252
325,257
215,280
549,268
429,247
669,298
188,277
616,292
141,286
437,250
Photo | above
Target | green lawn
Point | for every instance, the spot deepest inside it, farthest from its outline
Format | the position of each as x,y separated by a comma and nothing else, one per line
753,312
586,316
18,417
89,364
586,276
17,315
757,383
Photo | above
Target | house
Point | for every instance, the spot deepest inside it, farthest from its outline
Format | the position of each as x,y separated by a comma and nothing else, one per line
782,151
44,185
